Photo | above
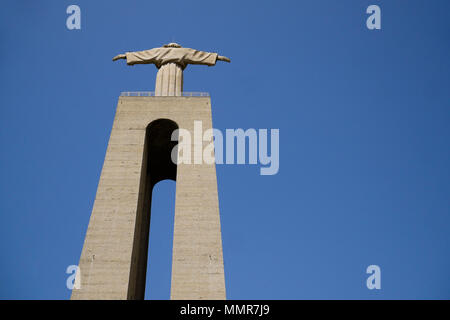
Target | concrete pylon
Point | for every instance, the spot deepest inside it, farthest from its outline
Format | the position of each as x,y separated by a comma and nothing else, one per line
114,257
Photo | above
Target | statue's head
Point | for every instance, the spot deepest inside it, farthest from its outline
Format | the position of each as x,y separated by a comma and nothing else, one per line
172,45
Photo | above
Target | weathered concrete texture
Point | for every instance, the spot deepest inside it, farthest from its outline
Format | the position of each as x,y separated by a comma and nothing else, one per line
114,254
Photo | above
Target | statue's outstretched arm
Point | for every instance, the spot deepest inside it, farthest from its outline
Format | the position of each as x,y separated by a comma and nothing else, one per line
120,56
223,58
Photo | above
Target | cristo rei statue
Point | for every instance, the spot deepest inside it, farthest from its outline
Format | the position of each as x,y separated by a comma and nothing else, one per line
171,59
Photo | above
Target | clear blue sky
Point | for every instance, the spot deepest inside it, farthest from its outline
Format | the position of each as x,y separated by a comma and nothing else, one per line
364,140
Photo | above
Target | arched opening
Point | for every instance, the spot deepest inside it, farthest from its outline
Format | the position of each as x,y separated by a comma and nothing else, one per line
160,243
157,165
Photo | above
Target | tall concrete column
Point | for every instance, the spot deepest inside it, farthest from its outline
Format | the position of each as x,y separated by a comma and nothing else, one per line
114,256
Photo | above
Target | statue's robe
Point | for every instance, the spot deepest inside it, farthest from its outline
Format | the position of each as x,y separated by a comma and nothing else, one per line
171,63
180,56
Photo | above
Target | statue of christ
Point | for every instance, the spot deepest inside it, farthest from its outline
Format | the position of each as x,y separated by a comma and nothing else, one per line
171,59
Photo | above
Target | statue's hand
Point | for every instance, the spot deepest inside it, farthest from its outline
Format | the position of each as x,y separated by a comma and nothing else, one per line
223,58
120,56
